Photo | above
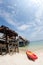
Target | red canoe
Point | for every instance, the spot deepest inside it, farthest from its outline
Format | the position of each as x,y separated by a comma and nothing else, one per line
31,55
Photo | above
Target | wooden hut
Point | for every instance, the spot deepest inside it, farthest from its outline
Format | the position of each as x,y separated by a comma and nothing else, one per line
22,41
8,41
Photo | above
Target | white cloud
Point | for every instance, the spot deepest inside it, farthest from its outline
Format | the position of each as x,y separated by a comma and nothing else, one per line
37,23
37,33
13,12
8,17
23,27
39,13
9,6
1,1
36,1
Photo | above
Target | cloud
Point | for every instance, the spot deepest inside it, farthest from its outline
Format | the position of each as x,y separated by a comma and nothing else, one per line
27,19
1,1
7,11
36,33
37,24
7,17
23,27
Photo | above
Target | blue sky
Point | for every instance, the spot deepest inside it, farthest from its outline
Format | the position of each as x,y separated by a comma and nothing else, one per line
23,16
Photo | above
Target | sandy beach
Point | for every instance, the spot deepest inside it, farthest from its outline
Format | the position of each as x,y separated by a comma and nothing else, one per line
21,59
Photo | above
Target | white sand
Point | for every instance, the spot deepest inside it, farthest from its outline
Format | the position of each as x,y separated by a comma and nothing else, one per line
21,59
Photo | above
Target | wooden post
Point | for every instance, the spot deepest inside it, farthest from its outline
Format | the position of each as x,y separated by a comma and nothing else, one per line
5,32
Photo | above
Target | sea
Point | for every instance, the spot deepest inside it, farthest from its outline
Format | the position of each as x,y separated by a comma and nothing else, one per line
35,45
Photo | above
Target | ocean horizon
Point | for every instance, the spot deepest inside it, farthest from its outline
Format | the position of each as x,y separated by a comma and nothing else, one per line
35,45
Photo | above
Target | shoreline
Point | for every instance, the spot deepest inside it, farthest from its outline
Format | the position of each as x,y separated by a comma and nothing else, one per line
21,58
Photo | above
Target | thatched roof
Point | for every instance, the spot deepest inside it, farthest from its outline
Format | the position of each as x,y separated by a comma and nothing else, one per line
6,30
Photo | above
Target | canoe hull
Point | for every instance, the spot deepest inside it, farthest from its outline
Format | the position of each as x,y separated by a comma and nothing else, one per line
31,55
